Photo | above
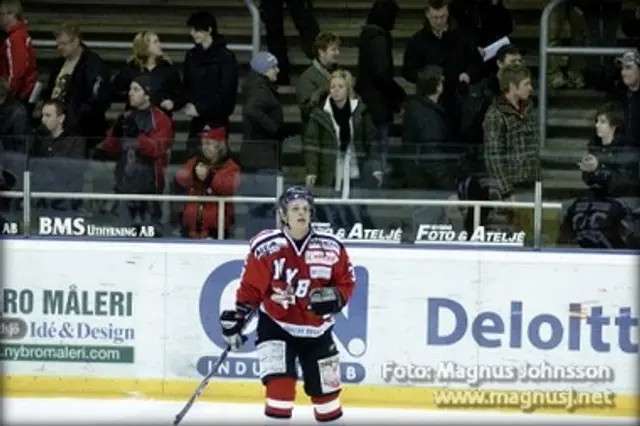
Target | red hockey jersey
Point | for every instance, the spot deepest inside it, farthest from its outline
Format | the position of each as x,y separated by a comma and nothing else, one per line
279,275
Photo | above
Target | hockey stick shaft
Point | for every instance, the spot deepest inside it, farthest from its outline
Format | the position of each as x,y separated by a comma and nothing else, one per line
203,384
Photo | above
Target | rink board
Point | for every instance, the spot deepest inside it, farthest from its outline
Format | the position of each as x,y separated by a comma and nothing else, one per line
149,311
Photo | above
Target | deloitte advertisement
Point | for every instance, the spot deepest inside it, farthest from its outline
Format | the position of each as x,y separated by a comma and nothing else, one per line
350,331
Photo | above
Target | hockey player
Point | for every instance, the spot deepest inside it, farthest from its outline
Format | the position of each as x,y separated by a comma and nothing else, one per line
597,221
298,279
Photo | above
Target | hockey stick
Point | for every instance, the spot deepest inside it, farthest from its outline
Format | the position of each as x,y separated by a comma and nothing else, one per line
203,384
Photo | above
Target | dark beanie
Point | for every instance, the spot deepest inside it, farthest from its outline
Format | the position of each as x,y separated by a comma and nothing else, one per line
202,21
145,82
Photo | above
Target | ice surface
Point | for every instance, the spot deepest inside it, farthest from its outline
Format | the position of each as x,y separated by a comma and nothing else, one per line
51,411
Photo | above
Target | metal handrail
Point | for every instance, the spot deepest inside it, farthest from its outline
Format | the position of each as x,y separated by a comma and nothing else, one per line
27,195
254,47
545,50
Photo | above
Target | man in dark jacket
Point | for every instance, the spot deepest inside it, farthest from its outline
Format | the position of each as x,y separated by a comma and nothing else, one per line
80,80
305,22
56,140
210,79
141,138
441,42
14,121
262,116
630,96
476,99
486,20
426,136
375,82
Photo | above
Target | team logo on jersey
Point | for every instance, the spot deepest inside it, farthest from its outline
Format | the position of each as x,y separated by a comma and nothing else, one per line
350,329
317,257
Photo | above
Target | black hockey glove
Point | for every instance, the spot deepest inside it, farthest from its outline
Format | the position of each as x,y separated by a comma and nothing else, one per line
325,300
233,323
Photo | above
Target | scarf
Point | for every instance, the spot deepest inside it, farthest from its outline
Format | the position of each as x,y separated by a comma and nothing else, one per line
342,116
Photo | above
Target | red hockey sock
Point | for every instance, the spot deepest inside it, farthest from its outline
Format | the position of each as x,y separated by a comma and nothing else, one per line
281,394
327,408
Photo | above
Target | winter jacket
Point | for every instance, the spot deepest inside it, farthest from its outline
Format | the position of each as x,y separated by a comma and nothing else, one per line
432,159
166,83
455,52
375,83
312,87
262,123
18,61
86,94
64,145
321,144
511,145
142,140
200,220
210,84
618,166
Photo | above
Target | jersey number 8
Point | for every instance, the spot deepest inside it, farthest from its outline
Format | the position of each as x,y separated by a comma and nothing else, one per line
302,288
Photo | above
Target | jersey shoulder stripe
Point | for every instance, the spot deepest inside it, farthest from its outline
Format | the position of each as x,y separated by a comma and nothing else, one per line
325,241
268,243
262,236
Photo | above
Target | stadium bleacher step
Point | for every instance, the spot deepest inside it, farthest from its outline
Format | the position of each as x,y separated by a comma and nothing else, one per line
570,111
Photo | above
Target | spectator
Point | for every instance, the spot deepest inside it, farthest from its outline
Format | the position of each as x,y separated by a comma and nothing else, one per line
376,85
511,145
210,79
574,78
142,139
14,121
305,21
612,157
313,84
58,161
338,143
630,97
148,58
211,173
341,156
441,42
262,116
602,19
426,136
475,101
80,80
18,61
487,20
55,140
597,221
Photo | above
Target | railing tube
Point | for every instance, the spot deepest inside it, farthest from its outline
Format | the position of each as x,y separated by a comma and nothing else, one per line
542,71
221,219
537,215
255,25
26,203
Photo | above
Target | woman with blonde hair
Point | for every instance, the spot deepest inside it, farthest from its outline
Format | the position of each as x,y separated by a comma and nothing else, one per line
339,142
148,58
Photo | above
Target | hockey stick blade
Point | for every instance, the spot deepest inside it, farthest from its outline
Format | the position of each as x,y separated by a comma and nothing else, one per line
203,384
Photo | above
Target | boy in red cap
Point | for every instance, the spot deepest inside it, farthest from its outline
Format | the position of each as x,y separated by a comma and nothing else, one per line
211,172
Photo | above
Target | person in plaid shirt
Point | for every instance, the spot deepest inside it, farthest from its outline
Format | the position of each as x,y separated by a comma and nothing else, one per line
511,144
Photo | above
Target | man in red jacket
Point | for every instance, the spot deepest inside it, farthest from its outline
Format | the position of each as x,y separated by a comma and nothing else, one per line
213,173
141,138
17,57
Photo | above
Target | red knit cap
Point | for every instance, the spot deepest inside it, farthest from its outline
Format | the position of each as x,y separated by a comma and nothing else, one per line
216,134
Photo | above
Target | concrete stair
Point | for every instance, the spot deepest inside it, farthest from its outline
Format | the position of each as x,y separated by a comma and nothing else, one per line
570,114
